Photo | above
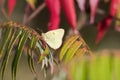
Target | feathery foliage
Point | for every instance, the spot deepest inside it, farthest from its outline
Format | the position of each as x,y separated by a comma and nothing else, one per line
19,38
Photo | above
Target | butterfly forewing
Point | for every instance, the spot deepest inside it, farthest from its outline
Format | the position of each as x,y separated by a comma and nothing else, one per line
54,38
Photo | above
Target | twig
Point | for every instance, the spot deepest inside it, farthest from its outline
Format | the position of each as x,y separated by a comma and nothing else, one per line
27,13
40,8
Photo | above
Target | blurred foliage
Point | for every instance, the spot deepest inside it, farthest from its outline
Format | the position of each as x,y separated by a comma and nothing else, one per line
98,66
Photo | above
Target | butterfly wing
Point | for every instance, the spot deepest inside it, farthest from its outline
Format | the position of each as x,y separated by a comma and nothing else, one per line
54,38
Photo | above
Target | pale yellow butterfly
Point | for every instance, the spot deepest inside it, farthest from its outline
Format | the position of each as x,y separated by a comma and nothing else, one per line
54,38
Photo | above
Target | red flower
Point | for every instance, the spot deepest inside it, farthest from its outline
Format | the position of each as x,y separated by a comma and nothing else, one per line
102,28
69,10
54,9
11,5
104,25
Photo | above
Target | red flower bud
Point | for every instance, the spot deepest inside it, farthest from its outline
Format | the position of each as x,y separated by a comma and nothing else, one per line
93,6
104,25
11,5
69,10
54,9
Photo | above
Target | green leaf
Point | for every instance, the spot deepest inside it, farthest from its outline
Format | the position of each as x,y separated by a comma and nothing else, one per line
31,63
30,54
5,40
77,69
67,45
80,52
44,54
116,67
40,46
18,53
104,70
81,70
93,67
13,39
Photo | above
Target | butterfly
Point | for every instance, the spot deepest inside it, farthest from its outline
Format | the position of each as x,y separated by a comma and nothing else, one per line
54,38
